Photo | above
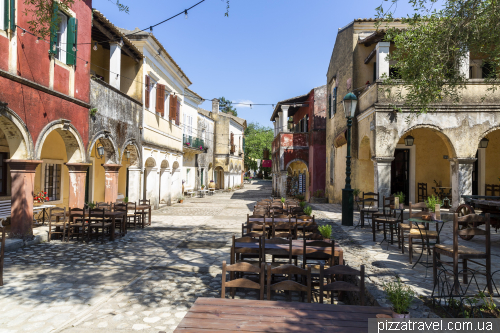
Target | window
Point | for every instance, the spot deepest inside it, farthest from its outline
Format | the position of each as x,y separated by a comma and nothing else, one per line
62,38
7,14
152,95
332,165
333,102
3,11
488,71
52,181
3,173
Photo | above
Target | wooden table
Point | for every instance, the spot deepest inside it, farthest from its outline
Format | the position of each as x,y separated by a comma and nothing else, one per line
43,209
142,208
238,315
112,215
297,248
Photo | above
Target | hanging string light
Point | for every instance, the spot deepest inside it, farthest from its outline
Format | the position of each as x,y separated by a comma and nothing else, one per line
37,40
86,63
23,33
74,48
54,47
121,41
95,46
186,14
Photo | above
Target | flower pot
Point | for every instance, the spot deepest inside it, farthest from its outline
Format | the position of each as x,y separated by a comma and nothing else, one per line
433,216
356,198
400,315
181,201
401,206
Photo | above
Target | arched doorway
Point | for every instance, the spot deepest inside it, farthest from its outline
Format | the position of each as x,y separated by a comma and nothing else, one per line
176,181
486,168
297,181
219,178
129,175
151,188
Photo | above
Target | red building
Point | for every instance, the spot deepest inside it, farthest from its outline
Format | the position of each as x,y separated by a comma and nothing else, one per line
298,151
44,107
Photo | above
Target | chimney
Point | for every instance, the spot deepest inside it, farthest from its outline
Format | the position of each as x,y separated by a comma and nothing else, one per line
215,105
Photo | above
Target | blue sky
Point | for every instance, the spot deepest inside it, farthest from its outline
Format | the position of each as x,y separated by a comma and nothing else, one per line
264,52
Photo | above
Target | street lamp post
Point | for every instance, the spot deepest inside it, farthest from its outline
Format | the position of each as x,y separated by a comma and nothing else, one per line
350,101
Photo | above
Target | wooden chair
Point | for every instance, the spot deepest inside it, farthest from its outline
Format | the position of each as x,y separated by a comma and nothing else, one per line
257,227
283,230
416,211
465,254
120,222
278,253
368,205
422,192
254,229
77,226
245,253
386,217
418,232
104,205
338,275
289,284
145,213
492,190
99,223
2,249
328,258
57,222
134,217
242,267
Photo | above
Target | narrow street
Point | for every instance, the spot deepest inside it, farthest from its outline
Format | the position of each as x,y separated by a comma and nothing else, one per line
145,281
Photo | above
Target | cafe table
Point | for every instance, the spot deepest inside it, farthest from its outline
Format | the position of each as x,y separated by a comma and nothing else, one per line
43,210
109,214
242,315
425,225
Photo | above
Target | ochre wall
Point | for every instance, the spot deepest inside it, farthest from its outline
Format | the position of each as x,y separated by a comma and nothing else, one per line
54,149
99,179
492,159
300,167
122,177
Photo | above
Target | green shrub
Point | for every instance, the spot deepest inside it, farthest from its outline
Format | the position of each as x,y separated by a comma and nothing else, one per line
302,204
308,210
283,200
325,231
400,296
431,203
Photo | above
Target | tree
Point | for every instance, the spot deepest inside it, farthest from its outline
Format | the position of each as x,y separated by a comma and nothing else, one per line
430,49
226,106
41,12
257,138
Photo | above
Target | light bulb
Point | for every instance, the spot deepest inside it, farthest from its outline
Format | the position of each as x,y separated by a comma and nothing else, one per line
37,39
186,14
74,48
151,29
117,76
22,33
95,46
54,47
250,106
86,63
121,41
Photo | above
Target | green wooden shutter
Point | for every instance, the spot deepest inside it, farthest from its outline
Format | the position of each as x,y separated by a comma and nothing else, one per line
5,14
53,28
334,100
330,106
12,15
72,38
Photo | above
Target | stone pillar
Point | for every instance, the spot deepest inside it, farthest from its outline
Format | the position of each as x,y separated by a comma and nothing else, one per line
77,177
165,186
227,179
464,65
382,174
285,108
134,184
23,177
152,186
283,176
275,128
115,61
111,181
461,179
382,51
280,122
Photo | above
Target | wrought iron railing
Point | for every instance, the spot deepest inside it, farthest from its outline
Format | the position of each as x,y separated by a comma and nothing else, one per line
193,142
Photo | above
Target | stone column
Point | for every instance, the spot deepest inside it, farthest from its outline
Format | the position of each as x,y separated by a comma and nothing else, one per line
152,186
461,179
285,117
23,177
111,181
134,184
283,176
227,179
464,65
115,60
382,174
165,185
280,122
77,177
382,51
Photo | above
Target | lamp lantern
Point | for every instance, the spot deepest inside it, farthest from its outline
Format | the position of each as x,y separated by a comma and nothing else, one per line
349,102
127,153
409,140
484,143
100,151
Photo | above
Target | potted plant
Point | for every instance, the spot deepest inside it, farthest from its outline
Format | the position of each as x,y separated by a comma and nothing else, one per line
302,204
431,203
401,297
125,200
202,187
283,200
91,205
300,197
181,199
325,231
308,210
356,193
401,197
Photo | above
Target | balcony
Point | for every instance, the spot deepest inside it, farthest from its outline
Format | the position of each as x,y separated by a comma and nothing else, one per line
193,144
290,140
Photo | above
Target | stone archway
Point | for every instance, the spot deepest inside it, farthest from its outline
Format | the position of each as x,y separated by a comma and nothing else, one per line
73,142
219,177
151,184
130,172
165,183
16,134
175,181
105,139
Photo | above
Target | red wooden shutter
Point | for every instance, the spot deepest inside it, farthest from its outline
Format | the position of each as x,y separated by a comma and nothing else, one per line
171,109
177,111
160,98
146,93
